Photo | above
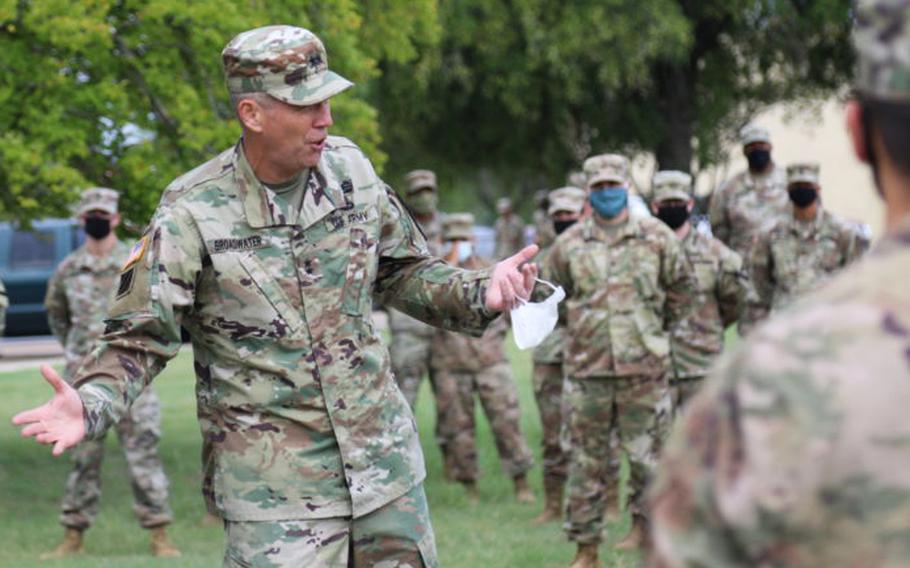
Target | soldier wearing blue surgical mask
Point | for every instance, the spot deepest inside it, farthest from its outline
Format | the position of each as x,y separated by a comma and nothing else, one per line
627,284
465,367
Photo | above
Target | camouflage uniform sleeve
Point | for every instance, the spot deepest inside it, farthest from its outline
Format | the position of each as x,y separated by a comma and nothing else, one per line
732,287
58,313
717,213
855,245
761,288
677,278
555,269
426,288
156,292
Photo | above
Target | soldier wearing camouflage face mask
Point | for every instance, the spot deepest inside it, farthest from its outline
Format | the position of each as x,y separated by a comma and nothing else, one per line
271,255
794,453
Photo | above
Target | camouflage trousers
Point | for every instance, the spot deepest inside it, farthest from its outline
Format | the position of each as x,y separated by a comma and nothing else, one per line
634,409
682,390
410,357
548,390
139,432
397,535
499,397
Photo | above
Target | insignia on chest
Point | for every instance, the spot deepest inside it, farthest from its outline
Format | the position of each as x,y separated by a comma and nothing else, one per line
238,244
341,218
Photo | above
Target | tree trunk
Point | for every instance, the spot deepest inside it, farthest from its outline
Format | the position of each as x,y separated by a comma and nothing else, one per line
676,86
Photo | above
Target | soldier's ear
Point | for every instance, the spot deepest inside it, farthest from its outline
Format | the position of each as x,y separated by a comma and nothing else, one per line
857,130
250,114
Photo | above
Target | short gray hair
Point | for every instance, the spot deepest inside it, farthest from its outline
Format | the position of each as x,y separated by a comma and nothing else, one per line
262,99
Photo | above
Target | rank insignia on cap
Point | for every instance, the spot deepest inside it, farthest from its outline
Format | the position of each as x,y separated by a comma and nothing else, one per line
136,254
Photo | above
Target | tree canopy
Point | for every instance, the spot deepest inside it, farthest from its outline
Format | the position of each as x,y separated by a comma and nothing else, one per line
130,93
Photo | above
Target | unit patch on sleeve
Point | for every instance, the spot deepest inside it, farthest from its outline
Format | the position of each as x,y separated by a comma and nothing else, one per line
136,253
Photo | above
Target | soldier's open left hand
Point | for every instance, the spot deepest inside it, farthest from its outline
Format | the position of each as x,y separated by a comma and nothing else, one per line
512,280
58,421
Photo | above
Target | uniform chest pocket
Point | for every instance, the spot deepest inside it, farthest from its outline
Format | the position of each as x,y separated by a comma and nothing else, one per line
705,275
360,273
830,257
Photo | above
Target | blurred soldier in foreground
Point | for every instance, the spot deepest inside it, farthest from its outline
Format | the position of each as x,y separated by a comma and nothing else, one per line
270,255
78,296
795,451
627,285
721,284
4,303
801,251
510,230
465,367
566,204
752,201
410,348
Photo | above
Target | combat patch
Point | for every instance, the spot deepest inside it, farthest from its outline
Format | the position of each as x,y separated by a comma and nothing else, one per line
254,242
126,282
136,253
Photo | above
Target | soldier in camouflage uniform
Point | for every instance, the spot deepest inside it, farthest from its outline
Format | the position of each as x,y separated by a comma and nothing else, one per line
270,255
795,452
464,367
510,230
543,224
627,285
720,278
566,205
801,251
77,299
410,348
4,303
753,200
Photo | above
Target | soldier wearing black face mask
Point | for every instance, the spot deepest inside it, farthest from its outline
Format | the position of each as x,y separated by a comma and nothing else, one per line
801,251
721,287
753,200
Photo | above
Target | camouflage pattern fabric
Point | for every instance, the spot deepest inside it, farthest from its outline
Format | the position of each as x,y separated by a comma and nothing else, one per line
298,408
77,300
636,410
721,297
4,304
510,236
98,199
548,381
397,535
795,451
880,38
543,227
795,258
626,287
746,206
466,367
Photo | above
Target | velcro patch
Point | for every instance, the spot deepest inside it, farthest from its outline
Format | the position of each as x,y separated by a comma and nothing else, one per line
136,253
238,244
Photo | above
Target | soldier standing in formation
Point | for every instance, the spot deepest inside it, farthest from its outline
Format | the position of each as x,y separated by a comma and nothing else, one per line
510,230
801,251
310,451
566,205
410,347
721,283
543,224
465,367
753,200
78,295
795,451
627,283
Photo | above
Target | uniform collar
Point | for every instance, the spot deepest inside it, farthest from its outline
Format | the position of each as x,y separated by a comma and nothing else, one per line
594,230
323,194
812,227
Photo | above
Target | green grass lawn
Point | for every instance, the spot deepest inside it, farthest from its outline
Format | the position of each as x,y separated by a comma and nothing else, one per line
495,532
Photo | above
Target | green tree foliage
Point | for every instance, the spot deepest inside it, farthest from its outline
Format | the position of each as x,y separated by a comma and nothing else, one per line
130,93
517,92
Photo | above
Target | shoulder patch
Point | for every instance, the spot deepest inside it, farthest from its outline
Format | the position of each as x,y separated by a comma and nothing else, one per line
136,253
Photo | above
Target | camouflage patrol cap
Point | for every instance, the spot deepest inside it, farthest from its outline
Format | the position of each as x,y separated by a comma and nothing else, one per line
576,179
503,204
458,226
420,179
606,167
671,184
803,172
98,199
569,198
752,133
882,40
287,62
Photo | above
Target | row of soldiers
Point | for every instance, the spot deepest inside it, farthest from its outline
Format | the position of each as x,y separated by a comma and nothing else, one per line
649,299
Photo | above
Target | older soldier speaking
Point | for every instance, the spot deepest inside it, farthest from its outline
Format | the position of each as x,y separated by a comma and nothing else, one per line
270,255
795,452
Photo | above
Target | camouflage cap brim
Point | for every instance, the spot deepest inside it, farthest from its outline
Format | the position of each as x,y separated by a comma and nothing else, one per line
802,179
97,206
321,87
458,234
601,177
669,194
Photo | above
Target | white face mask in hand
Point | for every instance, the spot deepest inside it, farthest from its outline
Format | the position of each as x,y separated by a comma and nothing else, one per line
532,322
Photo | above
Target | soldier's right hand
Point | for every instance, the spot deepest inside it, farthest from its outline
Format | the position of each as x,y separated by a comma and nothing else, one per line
58,421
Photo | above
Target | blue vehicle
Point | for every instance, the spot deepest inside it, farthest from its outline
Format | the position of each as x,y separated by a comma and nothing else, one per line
27,261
